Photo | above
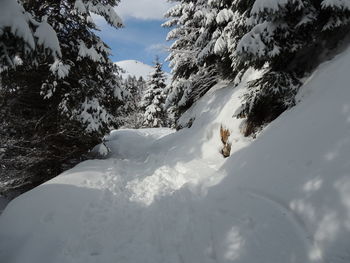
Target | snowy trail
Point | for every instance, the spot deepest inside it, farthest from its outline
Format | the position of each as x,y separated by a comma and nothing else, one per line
165,197
127,191
290,215
141,210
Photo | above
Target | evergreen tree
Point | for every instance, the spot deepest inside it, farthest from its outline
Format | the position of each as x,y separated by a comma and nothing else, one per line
277,32
285,40
82,83
20,35
191,57
338,14
131,115
61,104
154,98
222,39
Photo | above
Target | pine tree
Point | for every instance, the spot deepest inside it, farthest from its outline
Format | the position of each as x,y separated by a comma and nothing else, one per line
191,57
154,98
131,115
60,105
338,14
280,40
277,32
222,39
20,35
82,82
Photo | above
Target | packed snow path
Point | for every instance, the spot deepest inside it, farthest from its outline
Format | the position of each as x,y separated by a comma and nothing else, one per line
133,208
164,197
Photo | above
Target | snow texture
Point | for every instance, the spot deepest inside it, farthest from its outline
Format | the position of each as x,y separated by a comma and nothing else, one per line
91,53
103,9
252,42
60,69
47,38
224,16
137,69
13,16
79,5
166,197
336,4
92,114
268,5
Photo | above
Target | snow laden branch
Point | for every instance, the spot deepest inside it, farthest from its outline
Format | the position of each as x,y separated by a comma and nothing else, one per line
21,34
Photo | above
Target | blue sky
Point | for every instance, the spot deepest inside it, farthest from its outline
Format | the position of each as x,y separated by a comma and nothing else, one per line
142,38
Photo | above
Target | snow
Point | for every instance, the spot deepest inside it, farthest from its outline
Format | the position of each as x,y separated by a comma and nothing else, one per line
224,16
92,114
13,16
252,42
90,53
220,46
336,4
60,69
268,5
47,37
3,203
170,197
107,11
79,5
137,69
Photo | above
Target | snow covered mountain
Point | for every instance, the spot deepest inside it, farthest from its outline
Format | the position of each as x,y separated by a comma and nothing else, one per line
170,197
137,68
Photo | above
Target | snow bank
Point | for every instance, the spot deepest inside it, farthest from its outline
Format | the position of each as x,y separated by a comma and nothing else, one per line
134,144
283,197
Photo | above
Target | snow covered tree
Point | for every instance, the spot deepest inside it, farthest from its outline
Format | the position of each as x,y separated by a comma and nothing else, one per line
278,31
130,114
204,34
281,38
191,57
83,81
338,13
20,35
154,98
221,39
61,103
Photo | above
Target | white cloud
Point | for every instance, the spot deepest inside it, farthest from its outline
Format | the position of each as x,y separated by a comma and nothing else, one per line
158,48
143,9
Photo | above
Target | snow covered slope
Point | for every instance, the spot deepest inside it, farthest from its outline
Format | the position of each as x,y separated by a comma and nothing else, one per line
136,68
168,197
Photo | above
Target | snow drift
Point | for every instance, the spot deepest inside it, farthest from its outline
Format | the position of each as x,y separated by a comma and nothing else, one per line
170,197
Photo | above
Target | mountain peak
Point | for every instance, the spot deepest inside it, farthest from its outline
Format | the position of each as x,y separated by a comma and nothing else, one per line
136,68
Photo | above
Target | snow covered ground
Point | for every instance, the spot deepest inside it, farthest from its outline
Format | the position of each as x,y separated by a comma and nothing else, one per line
165,197
137,69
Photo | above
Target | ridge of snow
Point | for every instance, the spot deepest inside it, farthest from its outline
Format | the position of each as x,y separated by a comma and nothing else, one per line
165,197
